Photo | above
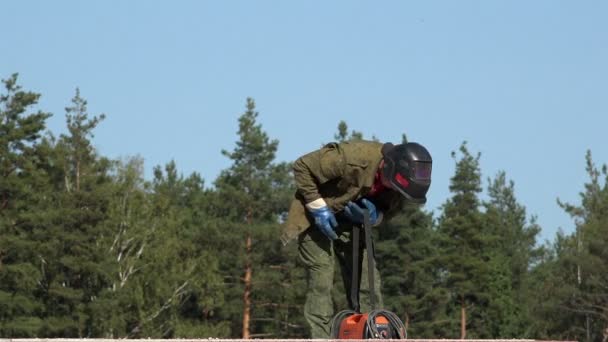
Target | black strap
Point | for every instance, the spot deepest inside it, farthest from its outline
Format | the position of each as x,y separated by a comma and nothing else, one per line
354,285
369,246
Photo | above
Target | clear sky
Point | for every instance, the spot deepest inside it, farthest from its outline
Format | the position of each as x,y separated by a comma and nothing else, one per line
524,82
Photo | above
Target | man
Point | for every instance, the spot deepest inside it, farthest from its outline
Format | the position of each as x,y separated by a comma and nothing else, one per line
334,185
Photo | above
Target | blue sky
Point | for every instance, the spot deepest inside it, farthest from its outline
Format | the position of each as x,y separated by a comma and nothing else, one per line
524,82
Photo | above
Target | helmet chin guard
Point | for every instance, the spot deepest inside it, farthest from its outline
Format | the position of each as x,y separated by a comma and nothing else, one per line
407,167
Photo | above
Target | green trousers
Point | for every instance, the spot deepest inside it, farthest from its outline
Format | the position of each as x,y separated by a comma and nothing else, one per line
319,256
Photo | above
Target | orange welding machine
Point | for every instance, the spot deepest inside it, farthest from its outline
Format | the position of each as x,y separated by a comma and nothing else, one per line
376,324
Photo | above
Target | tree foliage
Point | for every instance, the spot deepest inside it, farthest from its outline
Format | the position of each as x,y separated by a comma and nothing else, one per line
574,277
91,248
463,248
22,185
254,194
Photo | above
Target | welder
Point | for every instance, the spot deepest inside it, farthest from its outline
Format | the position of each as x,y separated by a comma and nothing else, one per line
333,186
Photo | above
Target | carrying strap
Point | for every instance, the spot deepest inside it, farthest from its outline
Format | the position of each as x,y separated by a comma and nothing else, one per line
369,246
354,288
354,285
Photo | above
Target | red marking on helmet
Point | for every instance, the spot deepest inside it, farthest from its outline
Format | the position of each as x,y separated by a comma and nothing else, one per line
401,180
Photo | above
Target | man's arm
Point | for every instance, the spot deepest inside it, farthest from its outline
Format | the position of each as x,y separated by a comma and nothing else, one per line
310,172
316,168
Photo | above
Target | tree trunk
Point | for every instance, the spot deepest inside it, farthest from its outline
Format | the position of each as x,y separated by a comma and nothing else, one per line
247,293
463,320
247,281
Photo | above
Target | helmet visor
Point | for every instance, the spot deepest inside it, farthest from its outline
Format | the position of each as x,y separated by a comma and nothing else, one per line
422,171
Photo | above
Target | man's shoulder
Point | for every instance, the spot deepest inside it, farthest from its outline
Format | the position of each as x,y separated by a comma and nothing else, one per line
362,143
362,147
362,152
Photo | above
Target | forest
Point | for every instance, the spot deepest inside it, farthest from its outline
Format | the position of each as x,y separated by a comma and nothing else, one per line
89,248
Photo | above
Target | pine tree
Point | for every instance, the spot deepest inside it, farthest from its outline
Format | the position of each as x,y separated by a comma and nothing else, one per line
553,288
514,252
569,298
78,268
587,262
407,259
22,189
343,135
254,194
464,255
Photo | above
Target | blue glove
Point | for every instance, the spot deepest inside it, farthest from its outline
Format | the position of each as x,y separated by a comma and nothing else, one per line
355,213
325,221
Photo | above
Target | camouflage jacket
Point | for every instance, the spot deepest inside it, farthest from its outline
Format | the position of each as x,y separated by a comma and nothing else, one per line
338,173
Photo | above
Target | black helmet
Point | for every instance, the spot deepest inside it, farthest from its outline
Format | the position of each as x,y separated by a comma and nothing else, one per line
408,168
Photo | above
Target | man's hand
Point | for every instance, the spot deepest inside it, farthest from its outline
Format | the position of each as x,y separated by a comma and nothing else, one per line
326,222
324,218
355,213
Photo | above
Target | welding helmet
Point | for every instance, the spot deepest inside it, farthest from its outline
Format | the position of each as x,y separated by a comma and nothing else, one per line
407,167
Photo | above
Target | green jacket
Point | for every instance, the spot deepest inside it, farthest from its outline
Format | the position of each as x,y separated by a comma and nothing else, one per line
338,173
